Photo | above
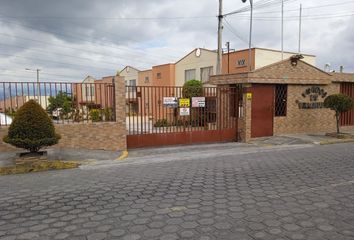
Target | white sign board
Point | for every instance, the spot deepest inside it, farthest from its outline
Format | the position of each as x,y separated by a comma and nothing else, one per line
171,102
198,102
184,111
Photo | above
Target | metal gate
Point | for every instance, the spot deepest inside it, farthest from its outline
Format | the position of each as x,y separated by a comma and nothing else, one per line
158,116
347,118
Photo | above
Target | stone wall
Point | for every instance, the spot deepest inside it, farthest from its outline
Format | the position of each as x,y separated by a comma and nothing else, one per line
97,136
305,120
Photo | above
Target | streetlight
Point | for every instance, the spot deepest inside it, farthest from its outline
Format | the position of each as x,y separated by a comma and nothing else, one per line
38,85
250,37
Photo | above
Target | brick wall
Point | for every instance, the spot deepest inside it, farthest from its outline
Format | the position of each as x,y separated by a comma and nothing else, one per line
103,135
305,120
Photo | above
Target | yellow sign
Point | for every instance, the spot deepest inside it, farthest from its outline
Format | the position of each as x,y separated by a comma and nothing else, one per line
249,96
184,102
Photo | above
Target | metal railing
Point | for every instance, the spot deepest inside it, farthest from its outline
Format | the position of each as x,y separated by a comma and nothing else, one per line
63,101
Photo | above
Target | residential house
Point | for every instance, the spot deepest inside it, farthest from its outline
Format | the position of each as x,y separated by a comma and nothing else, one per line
199,64
237,61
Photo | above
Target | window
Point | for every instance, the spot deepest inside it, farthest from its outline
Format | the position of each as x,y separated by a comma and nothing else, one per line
205,73
281,99
158,75
189,75
132,84
146,79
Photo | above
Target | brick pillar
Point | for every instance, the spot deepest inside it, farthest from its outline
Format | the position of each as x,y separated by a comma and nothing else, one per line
244,123
120,110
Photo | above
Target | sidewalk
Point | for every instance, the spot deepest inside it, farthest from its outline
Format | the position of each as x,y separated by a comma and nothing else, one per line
295,139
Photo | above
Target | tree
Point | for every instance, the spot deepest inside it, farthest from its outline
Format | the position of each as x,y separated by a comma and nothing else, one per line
62,102
32,128
339,103
192,88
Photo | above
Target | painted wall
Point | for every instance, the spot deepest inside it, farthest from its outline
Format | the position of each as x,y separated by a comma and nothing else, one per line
207,58
233,61
142,78
238,61
129,73
167,75
265,57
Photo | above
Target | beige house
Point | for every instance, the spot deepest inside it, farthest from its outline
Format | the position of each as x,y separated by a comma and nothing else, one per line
130,75
198,64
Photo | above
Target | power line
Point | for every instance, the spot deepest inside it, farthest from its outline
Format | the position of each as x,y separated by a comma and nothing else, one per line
313,7
291,18
29,77
108,18
85,40
233,31
42,73
46,60
67,55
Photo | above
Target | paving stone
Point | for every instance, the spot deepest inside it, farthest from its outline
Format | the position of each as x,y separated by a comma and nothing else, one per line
241,193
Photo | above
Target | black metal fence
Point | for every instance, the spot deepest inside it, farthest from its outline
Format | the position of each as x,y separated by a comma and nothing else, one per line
166,109
64,102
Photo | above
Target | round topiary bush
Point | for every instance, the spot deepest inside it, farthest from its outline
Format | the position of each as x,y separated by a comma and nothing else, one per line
192,88
32,128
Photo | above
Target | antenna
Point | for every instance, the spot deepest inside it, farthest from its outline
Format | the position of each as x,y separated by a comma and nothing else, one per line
282,29
300,23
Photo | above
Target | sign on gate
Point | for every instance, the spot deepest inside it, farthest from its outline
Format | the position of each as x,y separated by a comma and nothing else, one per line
184,111
184,102
198,102
170,102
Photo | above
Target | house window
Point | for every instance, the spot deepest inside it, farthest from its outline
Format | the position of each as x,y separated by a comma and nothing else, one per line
189,75
158,75
132,85
205,73
281,99
146,79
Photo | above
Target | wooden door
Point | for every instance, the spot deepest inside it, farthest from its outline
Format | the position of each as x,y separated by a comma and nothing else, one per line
262,110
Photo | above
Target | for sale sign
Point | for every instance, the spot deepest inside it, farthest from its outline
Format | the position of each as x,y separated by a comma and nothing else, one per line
184,111
198,102
184,102
170,102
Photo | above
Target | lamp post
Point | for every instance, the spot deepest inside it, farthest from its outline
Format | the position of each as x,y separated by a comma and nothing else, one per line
250,37
38,85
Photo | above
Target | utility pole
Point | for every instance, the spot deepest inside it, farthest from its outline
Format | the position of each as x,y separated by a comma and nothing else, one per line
228,57
220,27
250,40
300,23
282,29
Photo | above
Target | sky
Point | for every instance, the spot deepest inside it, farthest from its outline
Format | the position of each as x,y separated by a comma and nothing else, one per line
71,39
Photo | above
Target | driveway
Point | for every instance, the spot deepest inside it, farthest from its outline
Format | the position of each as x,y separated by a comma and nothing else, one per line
199,192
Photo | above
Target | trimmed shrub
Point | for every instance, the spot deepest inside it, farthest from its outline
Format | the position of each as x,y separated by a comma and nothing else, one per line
161,123
339,103
95,115
192,88
32,128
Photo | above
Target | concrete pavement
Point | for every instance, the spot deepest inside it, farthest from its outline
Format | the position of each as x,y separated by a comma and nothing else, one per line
199,192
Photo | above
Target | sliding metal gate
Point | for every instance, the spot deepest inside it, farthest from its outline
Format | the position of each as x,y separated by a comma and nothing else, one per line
159,116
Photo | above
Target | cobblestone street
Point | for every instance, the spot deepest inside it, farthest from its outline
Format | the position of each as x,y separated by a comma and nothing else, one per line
286,193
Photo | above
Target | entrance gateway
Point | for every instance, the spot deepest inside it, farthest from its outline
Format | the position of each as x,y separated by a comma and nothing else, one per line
158,116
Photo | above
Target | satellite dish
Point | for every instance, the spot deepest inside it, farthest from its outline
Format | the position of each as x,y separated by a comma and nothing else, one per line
128,69
198,52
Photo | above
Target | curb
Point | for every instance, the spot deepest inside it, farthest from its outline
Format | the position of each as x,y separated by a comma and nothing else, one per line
336,141
123,156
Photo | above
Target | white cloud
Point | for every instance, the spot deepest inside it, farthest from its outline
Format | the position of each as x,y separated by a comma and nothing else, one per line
101,43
